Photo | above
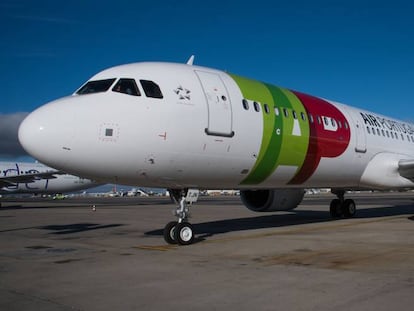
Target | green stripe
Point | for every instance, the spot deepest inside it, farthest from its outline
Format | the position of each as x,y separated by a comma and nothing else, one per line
294,148
257,91
275,150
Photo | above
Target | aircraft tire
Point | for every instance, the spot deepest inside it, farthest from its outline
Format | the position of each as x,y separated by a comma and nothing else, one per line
335,208
184,233
169,232
349,208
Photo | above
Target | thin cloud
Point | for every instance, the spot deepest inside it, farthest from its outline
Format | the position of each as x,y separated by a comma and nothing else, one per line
9,143
45,19
10,5
38,54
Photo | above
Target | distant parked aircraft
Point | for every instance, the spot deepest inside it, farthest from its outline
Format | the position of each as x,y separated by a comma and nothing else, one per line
36,178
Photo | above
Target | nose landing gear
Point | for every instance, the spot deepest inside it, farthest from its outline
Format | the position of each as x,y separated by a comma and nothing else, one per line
181,232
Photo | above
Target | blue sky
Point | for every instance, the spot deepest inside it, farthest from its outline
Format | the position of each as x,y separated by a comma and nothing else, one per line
359,53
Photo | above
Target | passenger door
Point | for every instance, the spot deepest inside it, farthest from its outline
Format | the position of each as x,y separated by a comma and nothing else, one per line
220,119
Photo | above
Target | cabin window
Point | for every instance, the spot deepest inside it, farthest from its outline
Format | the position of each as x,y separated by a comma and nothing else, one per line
346,125
302,115
266,108
256,106
126,86
373,130
378,132
295,116
383,133
310,118
285,112
333,122
151,89
319,119
245,104
392,134
402,136
97,86
408,137
340,124
276,111
325,119
368,131
388,134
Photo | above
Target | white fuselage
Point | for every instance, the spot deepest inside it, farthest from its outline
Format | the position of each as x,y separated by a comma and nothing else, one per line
201,134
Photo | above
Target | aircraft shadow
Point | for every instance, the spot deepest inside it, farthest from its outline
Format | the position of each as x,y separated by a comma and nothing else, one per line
21,207
67,229
76,228
208,229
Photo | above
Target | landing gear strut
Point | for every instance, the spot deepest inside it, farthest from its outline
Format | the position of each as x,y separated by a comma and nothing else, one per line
181,232
340,207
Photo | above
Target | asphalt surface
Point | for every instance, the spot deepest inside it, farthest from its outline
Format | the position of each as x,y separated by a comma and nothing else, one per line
62,255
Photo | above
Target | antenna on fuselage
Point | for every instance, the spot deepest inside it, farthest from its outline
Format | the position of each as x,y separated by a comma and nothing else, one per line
190,60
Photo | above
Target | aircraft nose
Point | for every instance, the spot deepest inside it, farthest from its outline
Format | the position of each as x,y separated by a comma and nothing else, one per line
47,132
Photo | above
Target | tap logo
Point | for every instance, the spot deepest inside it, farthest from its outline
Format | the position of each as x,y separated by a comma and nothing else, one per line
301,132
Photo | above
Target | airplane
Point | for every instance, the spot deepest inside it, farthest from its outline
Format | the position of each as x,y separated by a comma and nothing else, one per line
185,127
37,178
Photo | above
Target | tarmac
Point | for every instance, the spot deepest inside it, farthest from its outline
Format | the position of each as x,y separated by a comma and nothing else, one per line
63,255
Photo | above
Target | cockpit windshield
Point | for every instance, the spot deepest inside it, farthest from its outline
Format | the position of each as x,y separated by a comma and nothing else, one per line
126,86
96,86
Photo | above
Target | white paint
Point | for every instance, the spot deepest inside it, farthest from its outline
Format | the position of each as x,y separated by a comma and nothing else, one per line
296,128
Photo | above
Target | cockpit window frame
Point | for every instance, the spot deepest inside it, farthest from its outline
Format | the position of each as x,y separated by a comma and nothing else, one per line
95,86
